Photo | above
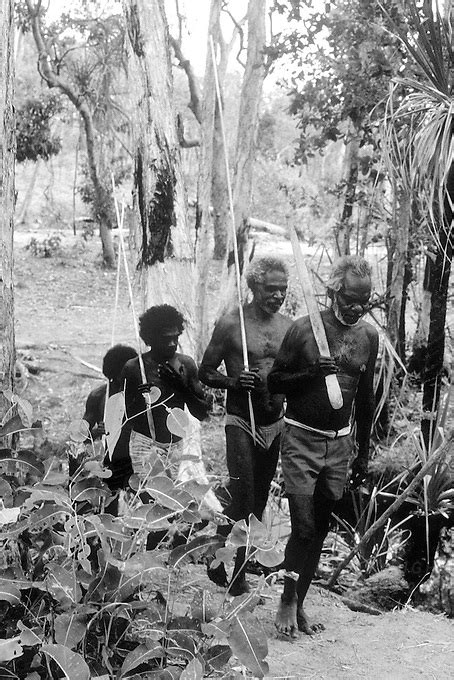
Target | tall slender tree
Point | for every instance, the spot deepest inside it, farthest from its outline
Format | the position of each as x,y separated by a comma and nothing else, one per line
7,149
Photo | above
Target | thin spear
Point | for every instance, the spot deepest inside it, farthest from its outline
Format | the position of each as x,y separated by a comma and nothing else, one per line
134,316
234,238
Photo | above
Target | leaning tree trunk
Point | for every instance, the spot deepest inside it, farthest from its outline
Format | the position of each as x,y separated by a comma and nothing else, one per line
433,368
7,149
102,197
251,92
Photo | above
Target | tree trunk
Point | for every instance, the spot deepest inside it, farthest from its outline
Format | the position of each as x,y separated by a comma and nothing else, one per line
7,150
102,200
433,368
165,257
248,118
203,213
344,229
397,261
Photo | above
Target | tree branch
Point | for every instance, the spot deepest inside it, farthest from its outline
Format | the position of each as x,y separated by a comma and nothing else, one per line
194,89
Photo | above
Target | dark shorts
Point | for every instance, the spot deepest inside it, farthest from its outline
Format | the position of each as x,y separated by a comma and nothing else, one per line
309,459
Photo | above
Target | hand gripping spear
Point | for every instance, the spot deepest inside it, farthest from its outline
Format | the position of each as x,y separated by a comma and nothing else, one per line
318,329
234,239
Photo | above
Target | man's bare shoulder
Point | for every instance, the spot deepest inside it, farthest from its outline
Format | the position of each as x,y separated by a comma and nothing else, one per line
283,320
370,330
228,322
302,324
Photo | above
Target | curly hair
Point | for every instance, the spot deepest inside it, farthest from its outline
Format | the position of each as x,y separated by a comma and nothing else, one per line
115,358
349,263
154,320
258,268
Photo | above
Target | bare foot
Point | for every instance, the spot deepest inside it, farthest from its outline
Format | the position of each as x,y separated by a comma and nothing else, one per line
285,621
305,625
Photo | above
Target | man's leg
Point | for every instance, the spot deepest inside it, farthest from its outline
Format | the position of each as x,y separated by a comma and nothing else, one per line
239,452
265,463
296,552
323,507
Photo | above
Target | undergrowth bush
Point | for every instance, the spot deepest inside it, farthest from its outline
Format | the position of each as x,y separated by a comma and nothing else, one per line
80,595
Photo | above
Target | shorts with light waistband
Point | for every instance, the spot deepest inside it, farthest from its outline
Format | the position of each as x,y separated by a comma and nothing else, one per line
310,459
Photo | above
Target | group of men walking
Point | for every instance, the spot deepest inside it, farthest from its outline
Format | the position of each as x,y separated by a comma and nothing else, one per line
285,386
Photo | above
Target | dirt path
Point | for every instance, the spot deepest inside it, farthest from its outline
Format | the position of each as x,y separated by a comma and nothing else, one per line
64,312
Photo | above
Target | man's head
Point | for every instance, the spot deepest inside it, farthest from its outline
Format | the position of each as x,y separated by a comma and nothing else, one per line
114,360
267,278
160,327
349,288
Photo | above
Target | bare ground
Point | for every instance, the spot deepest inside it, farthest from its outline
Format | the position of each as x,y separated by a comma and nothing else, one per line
64,316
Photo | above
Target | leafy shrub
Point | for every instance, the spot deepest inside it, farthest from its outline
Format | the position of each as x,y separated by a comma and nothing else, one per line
81,596
47,247
33,135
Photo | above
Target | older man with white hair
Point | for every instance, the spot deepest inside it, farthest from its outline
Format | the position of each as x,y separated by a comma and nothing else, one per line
251,456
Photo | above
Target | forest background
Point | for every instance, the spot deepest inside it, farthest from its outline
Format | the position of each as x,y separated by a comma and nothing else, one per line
338,121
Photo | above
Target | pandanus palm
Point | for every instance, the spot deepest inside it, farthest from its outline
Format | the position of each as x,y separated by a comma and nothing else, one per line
419,127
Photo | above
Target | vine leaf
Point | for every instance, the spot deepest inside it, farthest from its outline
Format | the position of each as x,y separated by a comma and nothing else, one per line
71,663
141,654
193,671
79,431
113,419
192,550
10,649
178,422
248,643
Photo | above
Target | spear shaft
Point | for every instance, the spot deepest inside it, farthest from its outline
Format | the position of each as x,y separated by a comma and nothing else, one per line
234,238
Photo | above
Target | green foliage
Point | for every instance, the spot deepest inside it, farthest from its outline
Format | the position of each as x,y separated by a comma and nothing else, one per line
83,597
34,139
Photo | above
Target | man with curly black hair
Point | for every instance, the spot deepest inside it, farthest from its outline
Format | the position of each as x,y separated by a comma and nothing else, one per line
171,382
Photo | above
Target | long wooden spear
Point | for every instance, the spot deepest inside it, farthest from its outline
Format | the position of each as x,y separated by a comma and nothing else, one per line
234,238
143,374
331,381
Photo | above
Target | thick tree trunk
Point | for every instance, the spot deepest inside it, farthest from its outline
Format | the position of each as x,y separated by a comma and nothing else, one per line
7,149
248,118
102,195
165,257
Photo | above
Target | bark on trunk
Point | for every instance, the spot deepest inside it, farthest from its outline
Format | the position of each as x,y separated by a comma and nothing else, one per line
102,196
343,232
203,213
397,261
166,255
7,150
248,118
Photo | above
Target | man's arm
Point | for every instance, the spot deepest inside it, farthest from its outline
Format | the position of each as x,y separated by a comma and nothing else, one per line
94,406
364,412
212,358
289,374
188,384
